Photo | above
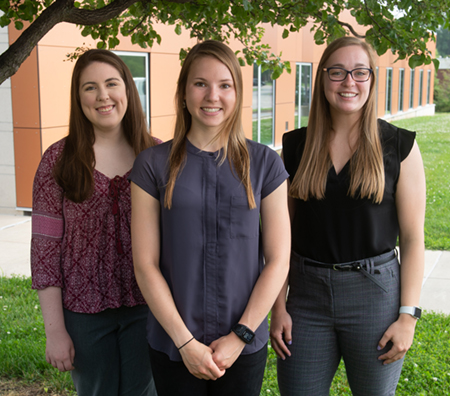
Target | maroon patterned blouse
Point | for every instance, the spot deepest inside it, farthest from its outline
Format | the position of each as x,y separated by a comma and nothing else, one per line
83,248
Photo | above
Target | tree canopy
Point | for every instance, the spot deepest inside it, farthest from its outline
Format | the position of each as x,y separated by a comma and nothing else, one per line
402,26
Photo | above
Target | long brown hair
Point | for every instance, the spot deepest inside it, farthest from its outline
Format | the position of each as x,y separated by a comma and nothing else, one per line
231,134
74,168
366,164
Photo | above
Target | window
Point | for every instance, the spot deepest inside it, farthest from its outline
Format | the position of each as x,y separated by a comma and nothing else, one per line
401,85
420,87
302,94
388,109
137,62
428,86
411,89
263,104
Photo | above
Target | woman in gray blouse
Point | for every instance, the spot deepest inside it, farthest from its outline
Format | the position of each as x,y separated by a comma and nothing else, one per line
211,238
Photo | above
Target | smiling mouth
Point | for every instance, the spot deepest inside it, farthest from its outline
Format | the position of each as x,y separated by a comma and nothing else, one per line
211,109
347,95
105,109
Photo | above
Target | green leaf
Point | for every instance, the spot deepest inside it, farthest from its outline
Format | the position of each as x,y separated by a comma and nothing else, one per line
178,29
416,60
436,63
285,33
276,73
18,25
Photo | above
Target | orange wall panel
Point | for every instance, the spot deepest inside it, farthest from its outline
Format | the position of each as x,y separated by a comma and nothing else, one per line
52,135
27,153
54,86
25,94
164,70
162,127
284,114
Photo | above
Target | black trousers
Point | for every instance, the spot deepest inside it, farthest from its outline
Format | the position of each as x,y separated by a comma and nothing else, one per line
243,378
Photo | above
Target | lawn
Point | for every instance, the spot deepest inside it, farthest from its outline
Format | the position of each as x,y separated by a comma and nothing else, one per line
433,137
427,366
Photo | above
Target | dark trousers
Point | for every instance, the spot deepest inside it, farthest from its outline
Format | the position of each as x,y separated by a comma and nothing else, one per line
244,377
340,314
111,354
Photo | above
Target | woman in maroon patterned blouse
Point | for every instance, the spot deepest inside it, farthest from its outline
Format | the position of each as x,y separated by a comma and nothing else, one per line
81,261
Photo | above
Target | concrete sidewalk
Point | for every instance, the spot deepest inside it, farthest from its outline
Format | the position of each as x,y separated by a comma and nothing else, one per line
15,235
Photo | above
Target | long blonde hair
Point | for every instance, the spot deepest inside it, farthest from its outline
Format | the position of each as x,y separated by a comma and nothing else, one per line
231,135
366,164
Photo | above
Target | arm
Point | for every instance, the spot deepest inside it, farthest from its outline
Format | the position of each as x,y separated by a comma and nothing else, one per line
47,234
59,351
410,202
281,321
145,236
276,245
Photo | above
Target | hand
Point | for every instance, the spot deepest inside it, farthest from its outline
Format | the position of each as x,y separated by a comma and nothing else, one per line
197,357
281,332
226,350
59,351
401,334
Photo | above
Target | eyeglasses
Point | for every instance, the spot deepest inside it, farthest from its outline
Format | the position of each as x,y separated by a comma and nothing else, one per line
340,74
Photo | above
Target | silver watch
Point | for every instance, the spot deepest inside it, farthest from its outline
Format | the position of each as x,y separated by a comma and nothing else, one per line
415,312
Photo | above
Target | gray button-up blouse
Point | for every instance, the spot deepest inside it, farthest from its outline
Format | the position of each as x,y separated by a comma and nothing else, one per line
211,250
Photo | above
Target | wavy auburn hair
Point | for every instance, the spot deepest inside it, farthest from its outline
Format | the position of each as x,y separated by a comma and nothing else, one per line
231,134
366,164
74,168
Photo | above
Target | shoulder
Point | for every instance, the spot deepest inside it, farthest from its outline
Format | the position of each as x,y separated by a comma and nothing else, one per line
56,148
261,151
52,153
294,138
152,158
400,139
160,150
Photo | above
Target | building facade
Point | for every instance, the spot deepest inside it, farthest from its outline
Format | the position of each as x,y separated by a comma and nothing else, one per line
34,104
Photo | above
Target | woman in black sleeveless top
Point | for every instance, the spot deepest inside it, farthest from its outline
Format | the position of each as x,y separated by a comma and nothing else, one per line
356,184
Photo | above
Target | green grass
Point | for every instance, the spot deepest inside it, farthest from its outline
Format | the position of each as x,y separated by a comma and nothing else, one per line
22,350
22,338
433,137
266,131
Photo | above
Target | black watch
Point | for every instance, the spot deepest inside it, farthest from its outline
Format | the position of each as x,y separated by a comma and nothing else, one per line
244,333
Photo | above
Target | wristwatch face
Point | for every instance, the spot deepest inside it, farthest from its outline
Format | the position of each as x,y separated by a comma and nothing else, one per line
417,312
244,333
247,336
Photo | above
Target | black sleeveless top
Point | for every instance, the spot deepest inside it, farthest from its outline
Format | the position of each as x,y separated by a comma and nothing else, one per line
339,228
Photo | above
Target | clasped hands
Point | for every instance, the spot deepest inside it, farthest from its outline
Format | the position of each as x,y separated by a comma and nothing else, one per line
210,362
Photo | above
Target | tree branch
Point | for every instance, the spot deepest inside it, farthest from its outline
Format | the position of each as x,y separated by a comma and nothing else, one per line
352,30
59,11
16,54
375,23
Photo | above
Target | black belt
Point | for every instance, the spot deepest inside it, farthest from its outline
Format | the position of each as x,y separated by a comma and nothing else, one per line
357,266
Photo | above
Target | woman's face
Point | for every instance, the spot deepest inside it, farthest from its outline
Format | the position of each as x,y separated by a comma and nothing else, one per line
347,96
103,97
210,94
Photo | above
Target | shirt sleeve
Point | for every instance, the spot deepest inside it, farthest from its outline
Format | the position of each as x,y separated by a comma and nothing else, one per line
143,173
405,142
47,224
275,173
